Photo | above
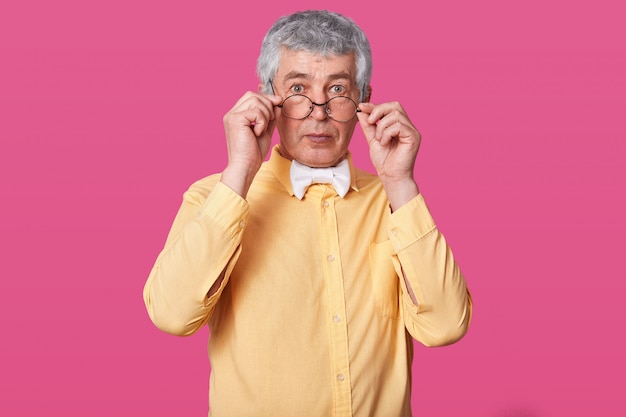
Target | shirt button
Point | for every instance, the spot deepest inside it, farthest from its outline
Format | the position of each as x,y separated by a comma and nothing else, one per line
336,318
331,258
242,224
341,378
326,204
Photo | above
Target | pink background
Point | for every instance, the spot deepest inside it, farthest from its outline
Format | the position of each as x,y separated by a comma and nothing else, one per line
109,110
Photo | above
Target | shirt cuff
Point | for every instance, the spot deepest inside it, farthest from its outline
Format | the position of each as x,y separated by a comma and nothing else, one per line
410,223
227,209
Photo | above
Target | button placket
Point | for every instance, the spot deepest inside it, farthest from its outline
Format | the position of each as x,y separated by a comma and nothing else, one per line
336,303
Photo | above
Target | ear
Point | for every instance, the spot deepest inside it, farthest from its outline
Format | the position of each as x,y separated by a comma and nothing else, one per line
367,98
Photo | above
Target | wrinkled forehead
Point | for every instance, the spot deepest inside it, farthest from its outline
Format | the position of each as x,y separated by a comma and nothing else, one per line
310,65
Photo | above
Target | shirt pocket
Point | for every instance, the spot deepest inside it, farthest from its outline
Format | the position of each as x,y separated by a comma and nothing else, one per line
384,279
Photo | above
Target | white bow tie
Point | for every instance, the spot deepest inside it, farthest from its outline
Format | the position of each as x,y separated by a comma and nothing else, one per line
302,176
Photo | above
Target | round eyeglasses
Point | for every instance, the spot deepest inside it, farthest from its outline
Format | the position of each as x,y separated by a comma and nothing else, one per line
339,108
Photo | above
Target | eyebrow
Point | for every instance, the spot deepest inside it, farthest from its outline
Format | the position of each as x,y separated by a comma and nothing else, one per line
291,75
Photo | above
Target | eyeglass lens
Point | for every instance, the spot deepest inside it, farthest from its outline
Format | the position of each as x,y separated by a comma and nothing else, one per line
298,106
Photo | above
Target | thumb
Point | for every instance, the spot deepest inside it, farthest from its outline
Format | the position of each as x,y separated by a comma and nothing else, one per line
270,127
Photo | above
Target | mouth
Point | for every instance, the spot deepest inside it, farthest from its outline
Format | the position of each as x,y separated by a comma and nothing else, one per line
318,137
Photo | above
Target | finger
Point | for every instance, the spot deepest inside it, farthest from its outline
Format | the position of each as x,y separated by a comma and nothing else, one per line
401,133
259,121
259,128
380,120
390,134
255,119
274,99
392,118
264,105
265,128
366,108
379,112
385,123
369,130
251,100
270,128
271,102
249,95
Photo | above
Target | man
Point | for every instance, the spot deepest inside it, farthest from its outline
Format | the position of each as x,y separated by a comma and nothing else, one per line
311,274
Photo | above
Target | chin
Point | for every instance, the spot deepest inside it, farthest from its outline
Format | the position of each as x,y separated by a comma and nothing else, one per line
315,156
322,162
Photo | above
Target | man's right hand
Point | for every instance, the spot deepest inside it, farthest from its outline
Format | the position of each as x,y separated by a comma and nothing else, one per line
249,126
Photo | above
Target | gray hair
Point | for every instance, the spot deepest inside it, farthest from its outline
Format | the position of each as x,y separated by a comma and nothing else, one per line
316,31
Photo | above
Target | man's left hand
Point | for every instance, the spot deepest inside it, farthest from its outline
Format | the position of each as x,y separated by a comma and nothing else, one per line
393,143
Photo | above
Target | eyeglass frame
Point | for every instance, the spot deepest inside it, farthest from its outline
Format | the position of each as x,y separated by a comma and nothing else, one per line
325,104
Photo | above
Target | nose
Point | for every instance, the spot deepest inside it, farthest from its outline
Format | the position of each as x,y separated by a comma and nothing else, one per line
320,110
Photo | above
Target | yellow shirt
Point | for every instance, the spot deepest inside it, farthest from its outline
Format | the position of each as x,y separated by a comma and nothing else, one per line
312,318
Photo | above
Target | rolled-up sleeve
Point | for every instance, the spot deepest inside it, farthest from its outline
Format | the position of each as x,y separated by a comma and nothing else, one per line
204,243
444,306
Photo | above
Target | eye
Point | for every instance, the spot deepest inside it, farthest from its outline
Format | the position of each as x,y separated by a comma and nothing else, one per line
338,89
298,88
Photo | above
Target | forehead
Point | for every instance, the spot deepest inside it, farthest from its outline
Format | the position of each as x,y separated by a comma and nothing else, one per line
308,65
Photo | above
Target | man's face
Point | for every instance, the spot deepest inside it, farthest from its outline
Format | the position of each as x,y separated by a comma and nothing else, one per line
316,140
